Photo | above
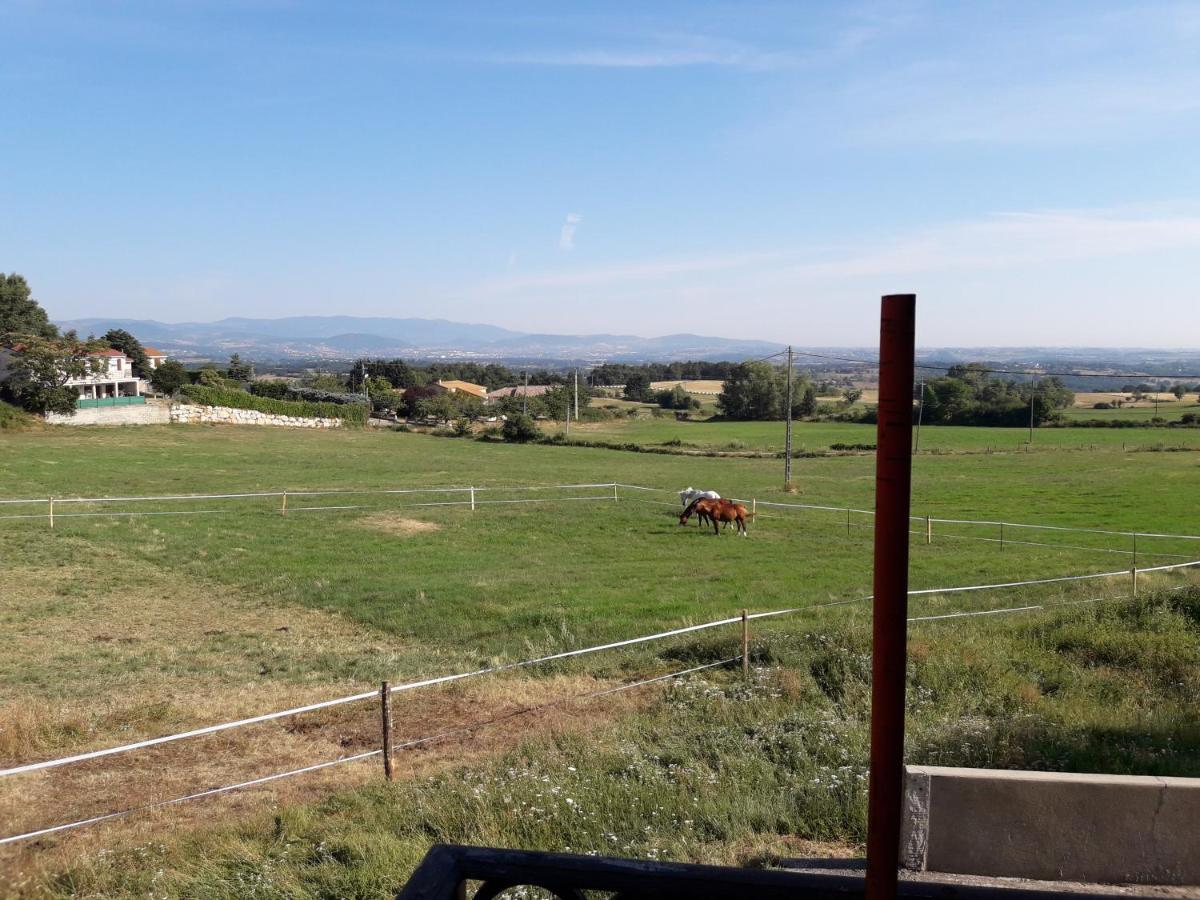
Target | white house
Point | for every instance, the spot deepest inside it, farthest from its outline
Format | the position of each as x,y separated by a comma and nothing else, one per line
113,378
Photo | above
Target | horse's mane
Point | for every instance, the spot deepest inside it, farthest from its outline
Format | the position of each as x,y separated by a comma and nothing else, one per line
691,506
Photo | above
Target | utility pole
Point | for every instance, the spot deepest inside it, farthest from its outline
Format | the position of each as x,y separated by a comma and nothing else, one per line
1032,392
920,416
577,394
787,440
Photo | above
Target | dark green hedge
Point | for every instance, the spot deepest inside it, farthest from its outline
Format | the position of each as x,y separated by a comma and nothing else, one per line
230,397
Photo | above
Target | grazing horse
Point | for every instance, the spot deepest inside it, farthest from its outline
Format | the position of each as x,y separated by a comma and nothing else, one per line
719,511
699,506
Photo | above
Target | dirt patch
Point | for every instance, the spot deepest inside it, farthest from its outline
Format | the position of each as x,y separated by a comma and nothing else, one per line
393,523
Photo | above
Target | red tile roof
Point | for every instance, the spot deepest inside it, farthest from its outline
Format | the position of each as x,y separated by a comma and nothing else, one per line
150,351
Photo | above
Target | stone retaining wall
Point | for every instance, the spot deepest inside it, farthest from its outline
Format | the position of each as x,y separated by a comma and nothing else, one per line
191,414
1058,826
137,414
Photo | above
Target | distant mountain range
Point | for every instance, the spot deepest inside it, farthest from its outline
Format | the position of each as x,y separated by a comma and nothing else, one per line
349,337
332,339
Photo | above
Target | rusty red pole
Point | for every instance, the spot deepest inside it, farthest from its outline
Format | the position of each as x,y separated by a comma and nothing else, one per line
893,484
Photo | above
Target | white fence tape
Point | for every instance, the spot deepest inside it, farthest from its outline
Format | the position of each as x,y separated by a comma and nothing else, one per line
567,654
356,757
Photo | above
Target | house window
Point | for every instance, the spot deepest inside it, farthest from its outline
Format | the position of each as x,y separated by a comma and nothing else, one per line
119,361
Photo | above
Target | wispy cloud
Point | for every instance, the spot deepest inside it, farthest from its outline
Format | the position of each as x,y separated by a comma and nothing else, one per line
652,52
566,235
1008,240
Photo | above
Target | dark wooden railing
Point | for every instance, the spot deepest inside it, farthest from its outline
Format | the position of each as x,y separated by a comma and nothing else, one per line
448,871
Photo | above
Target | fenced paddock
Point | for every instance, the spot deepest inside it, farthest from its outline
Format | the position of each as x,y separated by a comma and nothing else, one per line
1090,566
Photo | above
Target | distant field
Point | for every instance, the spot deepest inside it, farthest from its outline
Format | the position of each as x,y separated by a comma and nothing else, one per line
115,629
769,436
1168,407
710,387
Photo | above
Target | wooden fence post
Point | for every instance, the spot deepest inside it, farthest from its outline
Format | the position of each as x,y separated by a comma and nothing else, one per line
472,498
847,521
745,646
1135,549
52,512
1133,578
283,508
385,709
1001,535
928,530
615,496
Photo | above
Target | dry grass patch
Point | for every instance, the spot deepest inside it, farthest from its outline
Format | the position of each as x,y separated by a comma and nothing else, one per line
394,523
118,649
475,720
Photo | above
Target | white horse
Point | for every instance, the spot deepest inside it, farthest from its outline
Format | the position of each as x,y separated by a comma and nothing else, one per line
689,495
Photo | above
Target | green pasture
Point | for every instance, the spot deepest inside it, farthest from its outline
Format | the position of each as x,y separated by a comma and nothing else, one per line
1170,410
710,769
819,436
488,581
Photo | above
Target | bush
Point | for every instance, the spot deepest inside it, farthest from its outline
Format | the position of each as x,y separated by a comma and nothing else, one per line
520,429
169,376
238,399
1102,405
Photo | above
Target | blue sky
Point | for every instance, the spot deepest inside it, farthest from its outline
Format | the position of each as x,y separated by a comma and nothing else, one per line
765,170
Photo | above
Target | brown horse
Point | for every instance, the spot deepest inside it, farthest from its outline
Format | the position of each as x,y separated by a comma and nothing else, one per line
701,511
719,511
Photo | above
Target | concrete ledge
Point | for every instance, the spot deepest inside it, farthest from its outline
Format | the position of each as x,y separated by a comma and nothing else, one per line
1114,829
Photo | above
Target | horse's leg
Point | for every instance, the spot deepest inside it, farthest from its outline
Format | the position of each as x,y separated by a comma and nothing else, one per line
716,527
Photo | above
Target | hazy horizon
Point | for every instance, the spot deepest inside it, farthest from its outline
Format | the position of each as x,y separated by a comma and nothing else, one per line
741,170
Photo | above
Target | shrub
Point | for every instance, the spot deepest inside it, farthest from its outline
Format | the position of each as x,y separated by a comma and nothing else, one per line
520,429
238,399
1102,405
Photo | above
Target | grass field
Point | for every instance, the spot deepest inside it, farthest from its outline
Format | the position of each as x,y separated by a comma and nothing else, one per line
120,628
817,436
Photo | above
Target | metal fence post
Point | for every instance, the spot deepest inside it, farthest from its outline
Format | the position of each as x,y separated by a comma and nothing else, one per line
385,710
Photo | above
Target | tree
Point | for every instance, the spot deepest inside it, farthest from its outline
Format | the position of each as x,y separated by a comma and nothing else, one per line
851,396
804,402
20,314
120,339
751,392
520,429
169,377
238,370
210,376
637,387
1179,391
38,371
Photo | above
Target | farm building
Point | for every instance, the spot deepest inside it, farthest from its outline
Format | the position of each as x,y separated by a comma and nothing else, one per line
465,387
520,390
